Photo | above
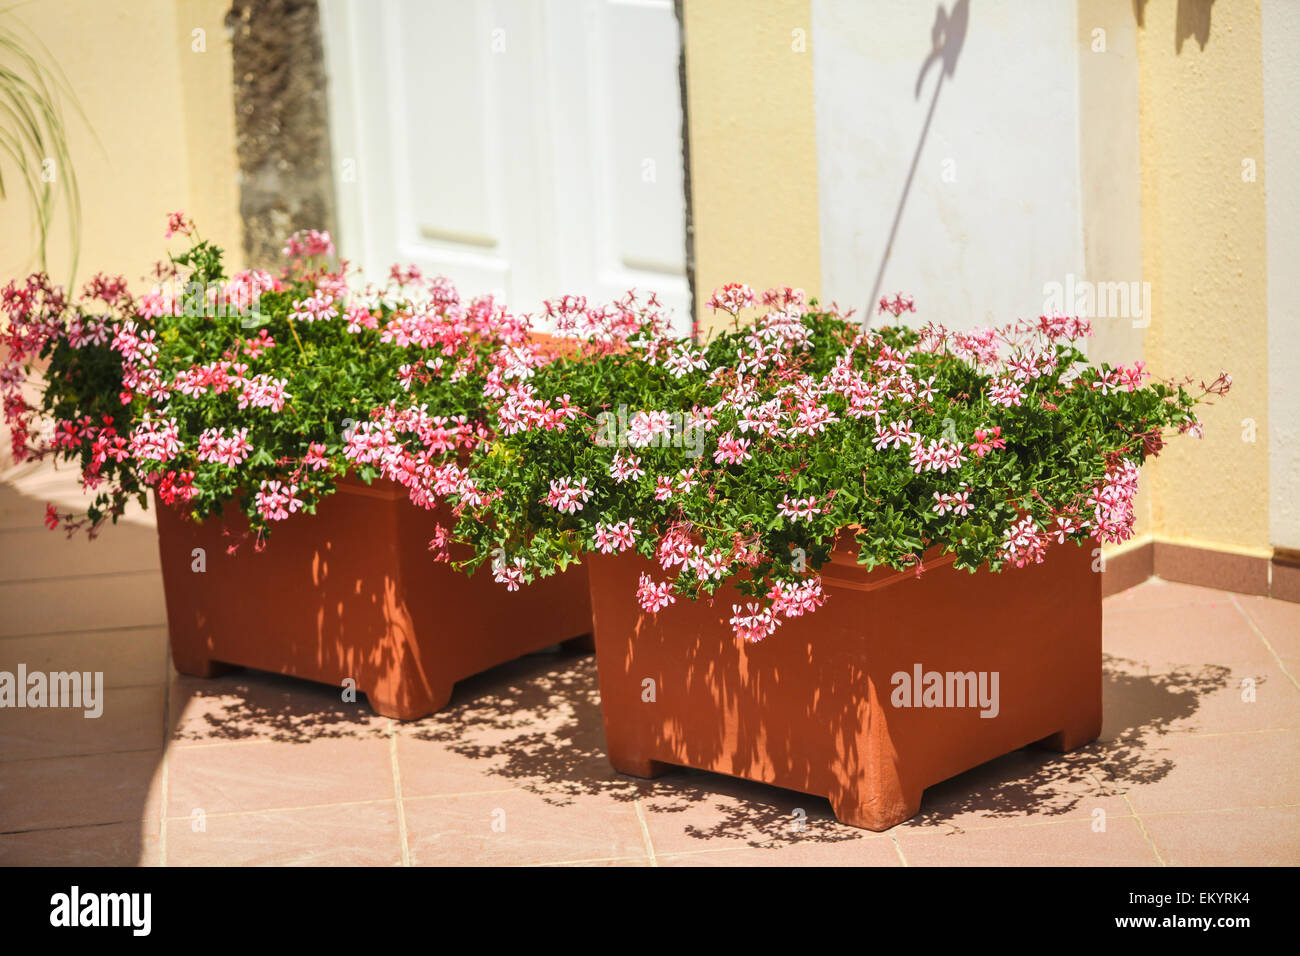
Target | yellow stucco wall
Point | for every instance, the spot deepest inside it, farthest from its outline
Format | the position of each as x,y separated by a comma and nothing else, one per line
753,145
163,139
163,131
1203,251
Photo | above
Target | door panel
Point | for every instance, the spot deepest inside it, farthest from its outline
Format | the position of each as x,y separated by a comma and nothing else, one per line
528,149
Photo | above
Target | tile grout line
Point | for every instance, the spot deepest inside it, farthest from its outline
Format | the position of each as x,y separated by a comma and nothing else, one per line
915,832
592,859
79,577
165,796
82,755
645,832
1142,827
87,631
217,814
397,793
708,851
1260,634
898,848
74,826
373,734
466,793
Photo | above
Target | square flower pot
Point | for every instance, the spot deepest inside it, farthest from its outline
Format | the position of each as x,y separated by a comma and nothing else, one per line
353,592
830,704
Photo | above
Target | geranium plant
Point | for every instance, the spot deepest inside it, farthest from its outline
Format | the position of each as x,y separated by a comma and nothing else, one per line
746,458
258,389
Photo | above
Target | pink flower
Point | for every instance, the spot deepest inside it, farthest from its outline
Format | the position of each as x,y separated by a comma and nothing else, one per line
923,456
439,545
986,440
896,433
611,539
645,427
732,298
178,222
255,347
511,575
796,599
897,307
156,440
683,360
567,495
1006,392
275,501
1107,382
653,597
625,468
360,318
408,276
812,418
308,243
315,458
1065,526
176,486
216,448
732,450
798,509
317,307
707,565
674,548
263,391
1112,503
1024,542
755,625
371,443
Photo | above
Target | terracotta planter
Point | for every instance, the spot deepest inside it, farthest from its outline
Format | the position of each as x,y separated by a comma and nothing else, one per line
813,707
353,592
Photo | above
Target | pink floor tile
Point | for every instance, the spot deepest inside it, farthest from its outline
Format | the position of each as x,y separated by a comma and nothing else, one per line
459,830
1278,621
113,844
79,791
267,775
1230,771
1187,636
130,720
350,835
1261,837
1066,843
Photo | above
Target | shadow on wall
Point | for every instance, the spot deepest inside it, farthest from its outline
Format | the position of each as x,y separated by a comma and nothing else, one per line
946,39
1192,20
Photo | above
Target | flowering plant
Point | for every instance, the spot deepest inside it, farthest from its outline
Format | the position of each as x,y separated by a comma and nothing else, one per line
255,388
746,458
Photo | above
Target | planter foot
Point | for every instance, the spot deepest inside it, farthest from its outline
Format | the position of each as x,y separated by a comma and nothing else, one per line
877,811
409,708
202,667
1072,738
584,643
642,767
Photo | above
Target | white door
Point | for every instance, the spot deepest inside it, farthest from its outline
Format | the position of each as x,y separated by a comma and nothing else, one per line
527,148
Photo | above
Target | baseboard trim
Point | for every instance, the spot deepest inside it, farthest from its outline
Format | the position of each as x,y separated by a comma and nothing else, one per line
1128,568
1277,577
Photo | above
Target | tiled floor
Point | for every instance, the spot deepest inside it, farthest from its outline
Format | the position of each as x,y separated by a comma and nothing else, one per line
255,769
